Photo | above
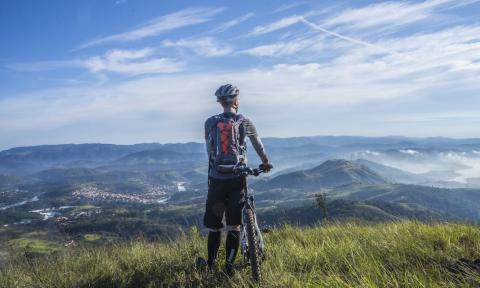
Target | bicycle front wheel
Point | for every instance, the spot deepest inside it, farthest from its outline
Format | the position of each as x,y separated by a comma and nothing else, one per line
253,249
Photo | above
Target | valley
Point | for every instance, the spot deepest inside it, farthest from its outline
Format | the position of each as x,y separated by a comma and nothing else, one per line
53,197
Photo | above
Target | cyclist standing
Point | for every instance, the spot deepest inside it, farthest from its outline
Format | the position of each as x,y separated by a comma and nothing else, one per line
225,136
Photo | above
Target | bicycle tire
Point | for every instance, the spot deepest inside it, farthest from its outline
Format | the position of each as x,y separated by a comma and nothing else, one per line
252,246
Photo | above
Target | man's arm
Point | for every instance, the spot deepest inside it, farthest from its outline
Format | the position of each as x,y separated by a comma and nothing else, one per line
251,133
208,145
207,136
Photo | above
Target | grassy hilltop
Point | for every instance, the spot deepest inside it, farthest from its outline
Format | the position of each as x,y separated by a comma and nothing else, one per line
348,254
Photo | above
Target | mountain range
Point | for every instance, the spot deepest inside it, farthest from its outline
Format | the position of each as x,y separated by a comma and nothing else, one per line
412,176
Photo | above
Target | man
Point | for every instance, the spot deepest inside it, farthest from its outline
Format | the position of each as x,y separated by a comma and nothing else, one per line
225,136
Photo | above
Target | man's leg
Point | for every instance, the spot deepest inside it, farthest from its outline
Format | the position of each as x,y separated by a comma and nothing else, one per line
214,239
214,210
232,243
233,215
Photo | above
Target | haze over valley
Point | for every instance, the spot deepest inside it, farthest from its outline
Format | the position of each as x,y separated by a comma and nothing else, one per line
57,195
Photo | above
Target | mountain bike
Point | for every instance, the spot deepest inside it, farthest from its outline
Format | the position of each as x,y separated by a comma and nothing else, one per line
252,244
251,240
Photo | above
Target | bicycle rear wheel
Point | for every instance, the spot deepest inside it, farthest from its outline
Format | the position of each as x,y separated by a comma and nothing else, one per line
253,249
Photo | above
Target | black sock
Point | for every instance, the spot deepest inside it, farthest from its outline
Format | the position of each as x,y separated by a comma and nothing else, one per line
214,239
231,246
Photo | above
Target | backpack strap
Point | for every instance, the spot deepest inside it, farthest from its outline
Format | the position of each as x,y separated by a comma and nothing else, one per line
241,147
239,117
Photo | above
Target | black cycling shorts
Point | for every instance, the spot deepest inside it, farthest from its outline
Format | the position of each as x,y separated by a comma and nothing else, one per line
224,196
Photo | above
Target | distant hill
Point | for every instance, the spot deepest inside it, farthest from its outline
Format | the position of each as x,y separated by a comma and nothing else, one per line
288,155
331,173
382,199
455,203
71,152
9,180
28,160
78,174
343,208
391,142
391,173
159,156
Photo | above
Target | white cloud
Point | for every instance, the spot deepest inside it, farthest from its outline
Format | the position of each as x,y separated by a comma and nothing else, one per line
234,22
183,18
303,95
378,17
115,57
369,152
204,46
409,151
279,49
313,46
382,14
270,49
444,58
277,25
459,4
391,16
433,117
288,21
132,62
286,7
347,38
128,62
319,76
470,166
426,65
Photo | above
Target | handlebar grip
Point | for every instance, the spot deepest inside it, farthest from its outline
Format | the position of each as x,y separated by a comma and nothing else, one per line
264,167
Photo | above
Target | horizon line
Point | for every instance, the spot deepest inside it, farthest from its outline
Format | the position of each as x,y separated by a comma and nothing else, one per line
263,138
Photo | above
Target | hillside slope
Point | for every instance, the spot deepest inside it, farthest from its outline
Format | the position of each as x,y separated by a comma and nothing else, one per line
373,211
392,174
331,173
456,203
395,254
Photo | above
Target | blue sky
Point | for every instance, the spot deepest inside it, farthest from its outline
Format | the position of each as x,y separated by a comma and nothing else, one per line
124,71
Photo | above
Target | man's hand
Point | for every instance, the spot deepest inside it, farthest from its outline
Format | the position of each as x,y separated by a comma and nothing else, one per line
266,167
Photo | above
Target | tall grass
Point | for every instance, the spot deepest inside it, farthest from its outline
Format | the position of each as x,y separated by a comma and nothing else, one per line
395,254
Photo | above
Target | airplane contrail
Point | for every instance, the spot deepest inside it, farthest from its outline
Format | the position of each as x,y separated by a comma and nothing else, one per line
356,41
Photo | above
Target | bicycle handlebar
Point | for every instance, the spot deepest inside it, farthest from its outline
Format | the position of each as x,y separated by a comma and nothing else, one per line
244,170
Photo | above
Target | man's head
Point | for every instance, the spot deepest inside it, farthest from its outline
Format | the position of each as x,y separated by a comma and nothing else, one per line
228,96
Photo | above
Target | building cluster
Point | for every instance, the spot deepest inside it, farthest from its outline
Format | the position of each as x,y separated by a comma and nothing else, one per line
153,194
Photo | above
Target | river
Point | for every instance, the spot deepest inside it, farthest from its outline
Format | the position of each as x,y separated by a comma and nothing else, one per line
21,203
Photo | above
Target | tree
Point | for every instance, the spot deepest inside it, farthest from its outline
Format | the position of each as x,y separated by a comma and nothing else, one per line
321,202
